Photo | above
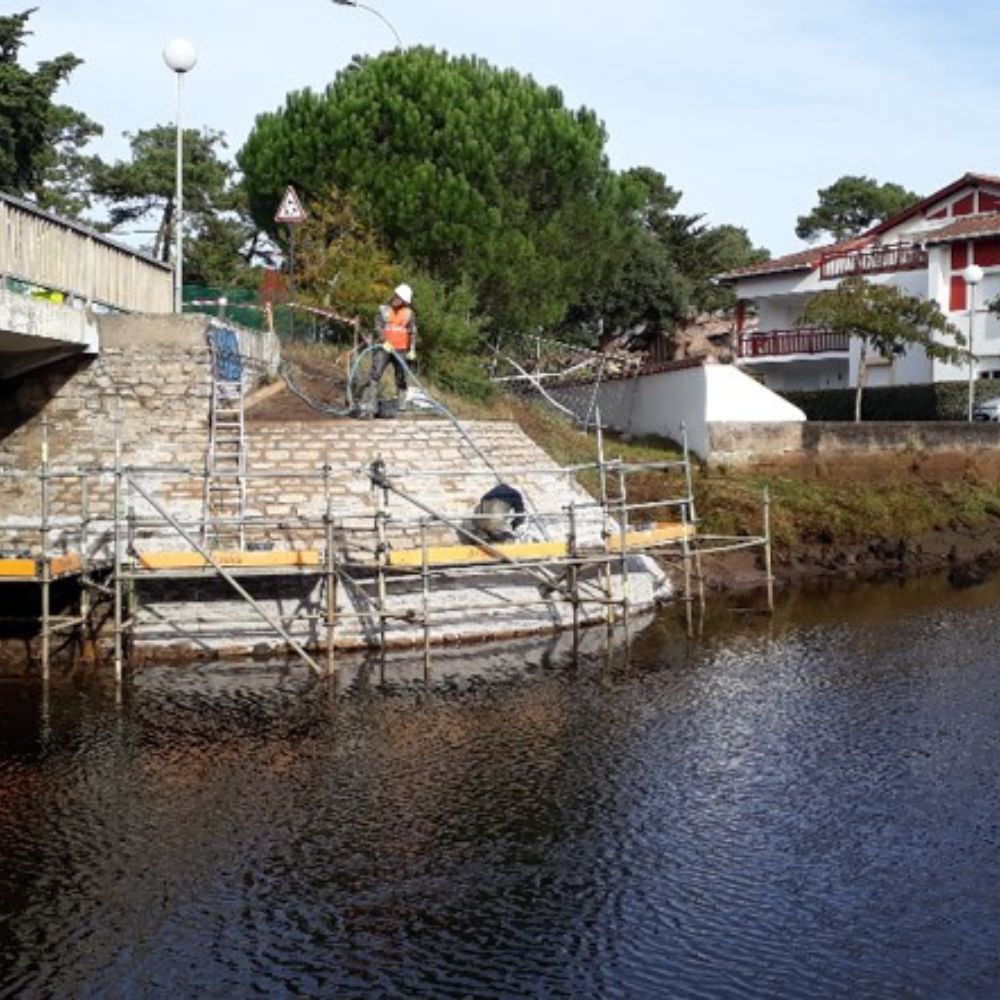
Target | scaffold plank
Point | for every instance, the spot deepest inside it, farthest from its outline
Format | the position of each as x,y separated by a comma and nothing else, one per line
31,569
444,555
192,560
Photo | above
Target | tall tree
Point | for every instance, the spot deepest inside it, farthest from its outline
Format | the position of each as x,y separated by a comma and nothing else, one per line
664,267
340,263
476,175
886,320
40,141
144,185
851,205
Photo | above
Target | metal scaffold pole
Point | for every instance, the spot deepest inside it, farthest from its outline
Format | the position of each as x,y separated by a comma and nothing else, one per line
46,566
331,594
574,572
605,526
425,598
381,547
623,571
117,545
767,549
692,513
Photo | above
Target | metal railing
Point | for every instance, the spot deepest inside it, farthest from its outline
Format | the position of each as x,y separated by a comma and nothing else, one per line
126,517
781,343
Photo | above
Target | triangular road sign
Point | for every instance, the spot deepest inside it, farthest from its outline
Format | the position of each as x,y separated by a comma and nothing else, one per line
290,210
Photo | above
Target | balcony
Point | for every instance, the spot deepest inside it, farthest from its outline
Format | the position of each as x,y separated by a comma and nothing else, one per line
872,260
781,343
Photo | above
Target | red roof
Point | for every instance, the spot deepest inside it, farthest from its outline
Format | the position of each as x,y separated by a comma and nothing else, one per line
971,225
806,260
966,180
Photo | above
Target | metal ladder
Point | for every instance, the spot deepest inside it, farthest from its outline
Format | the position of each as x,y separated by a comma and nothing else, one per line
225,459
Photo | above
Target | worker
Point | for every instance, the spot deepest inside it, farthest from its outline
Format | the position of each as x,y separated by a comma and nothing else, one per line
396,337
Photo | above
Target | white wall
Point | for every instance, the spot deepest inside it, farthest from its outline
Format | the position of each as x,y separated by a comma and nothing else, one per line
787,375
691,398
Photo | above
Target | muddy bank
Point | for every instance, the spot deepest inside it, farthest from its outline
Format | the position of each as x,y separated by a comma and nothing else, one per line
967,555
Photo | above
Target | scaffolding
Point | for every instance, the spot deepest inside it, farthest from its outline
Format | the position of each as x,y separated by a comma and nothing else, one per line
396,572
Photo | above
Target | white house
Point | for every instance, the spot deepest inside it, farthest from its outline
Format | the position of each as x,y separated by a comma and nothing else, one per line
923,250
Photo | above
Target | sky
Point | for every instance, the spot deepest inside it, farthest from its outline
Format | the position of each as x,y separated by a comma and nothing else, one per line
747,107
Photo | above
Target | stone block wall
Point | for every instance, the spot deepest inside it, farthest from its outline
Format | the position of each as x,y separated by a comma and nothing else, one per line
155,373
153,377
429,459
736,443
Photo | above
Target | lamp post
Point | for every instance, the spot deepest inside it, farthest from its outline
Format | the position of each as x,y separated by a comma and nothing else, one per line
973,274
181,57
378,14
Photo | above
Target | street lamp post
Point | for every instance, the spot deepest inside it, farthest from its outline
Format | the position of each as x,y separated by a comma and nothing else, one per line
378,14
181,57
973,274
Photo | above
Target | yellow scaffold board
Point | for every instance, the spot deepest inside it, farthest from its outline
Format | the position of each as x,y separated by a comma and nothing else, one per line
460,554
31,569
230,560
660,534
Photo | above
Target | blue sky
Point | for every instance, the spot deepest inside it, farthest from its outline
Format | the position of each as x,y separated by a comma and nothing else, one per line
747,107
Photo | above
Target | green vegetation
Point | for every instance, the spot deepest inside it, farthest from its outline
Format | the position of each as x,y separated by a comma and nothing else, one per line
482,180
851,205
885,497
40,141
886,320
934,401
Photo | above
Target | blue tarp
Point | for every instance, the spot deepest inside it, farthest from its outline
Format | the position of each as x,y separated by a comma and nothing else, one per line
226,354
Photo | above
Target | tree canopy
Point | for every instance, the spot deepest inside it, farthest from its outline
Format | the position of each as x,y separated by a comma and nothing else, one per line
144,185
468,172
664,267
851,205
40,140
887,320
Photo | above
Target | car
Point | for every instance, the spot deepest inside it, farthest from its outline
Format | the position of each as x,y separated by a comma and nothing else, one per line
988,410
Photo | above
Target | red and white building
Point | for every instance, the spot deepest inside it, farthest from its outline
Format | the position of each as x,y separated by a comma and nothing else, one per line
923,250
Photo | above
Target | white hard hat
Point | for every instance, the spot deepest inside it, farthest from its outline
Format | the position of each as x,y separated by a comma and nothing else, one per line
405,293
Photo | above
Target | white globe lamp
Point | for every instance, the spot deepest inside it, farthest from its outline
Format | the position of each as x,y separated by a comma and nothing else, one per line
180,55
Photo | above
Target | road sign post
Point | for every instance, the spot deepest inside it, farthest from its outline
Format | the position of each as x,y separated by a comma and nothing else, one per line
291,213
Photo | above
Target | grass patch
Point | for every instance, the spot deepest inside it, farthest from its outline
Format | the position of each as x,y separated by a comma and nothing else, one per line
810,504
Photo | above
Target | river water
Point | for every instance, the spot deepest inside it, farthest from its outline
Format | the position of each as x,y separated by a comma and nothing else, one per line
803,807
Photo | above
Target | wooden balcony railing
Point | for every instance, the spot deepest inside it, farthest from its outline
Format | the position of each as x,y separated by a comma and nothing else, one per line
872,260
780,343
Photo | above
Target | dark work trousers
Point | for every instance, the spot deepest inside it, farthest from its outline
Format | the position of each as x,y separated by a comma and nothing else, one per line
381,359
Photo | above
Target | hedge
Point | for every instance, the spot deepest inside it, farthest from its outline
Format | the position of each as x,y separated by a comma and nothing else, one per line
938,401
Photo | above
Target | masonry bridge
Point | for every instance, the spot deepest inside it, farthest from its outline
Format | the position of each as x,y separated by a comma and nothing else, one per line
56,276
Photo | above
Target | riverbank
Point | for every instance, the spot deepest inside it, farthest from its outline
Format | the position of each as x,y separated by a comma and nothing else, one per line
864,517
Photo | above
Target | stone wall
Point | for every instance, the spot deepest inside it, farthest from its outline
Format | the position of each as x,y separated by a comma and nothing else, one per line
155,373
429,459
741,443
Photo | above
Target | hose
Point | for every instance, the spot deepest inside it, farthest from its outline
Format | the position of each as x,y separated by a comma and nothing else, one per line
351,408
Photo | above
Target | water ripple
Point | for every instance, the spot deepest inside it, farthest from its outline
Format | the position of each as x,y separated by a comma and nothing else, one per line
807,812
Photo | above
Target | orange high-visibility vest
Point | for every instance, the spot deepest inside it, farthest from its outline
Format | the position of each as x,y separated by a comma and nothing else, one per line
397,328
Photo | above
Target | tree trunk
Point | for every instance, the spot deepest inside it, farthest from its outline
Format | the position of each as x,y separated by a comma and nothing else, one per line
862,377
162,248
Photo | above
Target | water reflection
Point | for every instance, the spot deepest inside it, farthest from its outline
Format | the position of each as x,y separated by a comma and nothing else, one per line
803,807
